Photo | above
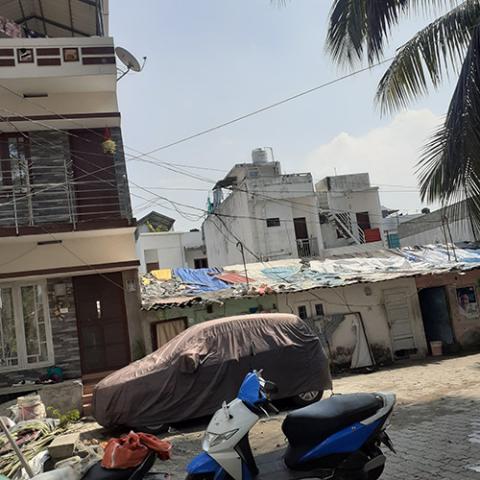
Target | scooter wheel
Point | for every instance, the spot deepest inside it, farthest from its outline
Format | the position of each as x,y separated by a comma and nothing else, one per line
307,398
376,473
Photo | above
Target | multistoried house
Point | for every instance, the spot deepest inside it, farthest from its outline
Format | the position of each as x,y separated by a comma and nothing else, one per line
352,205
68,268
269,215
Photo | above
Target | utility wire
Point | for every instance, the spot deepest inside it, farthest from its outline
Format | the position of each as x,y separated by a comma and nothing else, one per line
266,107
194,176
229,122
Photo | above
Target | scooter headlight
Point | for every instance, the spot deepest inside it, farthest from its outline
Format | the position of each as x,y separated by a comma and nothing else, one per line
213,439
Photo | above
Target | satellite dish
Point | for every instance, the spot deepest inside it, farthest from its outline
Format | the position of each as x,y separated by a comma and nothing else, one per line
129,61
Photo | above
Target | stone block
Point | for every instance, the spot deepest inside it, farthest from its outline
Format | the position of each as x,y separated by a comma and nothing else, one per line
65,396
64,446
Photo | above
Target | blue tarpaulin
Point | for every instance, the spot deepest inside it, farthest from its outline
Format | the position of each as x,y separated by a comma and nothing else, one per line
283,276
201,279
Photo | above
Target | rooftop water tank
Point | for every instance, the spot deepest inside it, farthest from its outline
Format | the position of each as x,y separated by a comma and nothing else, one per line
260,156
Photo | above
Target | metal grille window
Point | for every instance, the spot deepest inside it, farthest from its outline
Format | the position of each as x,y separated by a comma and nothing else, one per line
8,334
34,322
25,335
273,222
18,162
200,263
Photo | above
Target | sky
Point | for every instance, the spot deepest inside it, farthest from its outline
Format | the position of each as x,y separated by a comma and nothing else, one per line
213,60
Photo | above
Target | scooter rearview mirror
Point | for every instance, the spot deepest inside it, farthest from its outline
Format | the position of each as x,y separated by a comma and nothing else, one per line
270,387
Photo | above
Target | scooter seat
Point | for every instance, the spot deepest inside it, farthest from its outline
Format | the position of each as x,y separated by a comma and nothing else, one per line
310,425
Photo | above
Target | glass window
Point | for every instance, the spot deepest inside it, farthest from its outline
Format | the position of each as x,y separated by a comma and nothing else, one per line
25,339
319,310
302,312
18,161
8,334
34,322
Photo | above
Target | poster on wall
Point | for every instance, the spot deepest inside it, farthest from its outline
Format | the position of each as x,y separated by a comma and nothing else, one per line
467,302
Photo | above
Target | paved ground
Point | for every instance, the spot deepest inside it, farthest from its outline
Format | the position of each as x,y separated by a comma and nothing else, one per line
436,426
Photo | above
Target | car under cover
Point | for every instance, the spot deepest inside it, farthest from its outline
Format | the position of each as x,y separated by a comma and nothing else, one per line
190,376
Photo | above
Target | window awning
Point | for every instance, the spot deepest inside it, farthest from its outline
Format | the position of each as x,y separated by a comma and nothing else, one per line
57,18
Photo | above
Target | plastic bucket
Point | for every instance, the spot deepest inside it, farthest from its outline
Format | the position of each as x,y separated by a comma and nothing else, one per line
437,349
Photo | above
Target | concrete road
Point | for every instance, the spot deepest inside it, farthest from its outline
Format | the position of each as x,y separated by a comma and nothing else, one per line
436,426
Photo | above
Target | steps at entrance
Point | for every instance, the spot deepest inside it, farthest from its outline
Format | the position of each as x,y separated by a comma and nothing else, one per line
89,381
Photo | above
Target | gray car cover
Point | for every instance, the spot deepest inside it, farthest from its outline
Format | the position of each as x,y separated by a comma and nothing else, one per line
195,372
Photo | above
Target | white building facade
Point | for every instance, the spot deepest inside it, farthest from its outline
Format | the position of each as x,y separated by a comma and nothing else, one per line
353,207
158,250
270,215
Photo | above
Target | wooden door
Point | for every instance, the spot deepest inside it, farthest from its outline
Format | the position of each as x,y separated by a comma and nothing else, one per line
102,322
301,231
363,220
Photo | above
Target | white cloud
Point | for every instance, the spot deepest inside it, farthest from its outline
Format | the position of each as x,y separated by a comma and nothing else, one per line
389,154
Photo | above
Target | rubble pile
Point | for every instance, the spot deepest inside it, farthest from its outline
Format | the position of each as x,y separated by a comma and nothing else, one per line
62,448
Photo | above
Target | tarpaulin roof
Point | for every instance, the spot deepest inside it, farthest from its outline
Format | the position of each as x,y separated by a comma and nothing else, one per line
294,275
201,279
232,277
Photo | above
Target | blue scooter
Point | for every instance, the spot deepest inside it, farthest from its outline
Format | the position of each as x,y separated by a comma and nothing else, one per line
337,438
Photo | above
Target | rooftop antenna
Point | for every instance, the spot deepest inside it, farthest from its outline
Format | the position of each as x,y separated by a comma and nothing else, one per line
129,61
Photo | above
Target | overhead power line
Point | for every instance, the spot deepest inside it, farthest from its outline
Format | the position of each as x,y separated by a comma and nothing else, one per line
223,124
267,107
203,132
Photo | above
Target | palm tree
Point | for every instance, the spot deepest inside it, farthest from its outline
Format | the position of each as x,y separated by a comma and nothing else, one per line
449,168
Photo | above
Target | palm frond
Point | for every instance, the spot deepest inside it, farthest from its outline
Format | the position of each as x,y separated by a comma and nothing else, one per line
428,56
449,170
359,26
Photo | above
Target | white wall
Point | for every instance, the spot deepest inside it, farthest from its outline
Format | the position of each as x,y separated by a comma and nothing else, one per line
359,201
78,249
221,233
244,218
192,254
354,298
392,222
174,249
461,232
351,194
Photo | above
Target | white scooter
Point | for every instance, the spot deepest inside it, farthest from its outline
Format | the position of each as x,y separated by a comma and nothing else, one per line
337,438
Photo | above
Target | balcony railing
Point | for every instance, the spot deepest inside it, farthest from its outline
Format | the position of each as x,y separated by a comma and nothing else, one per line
307,248
27,201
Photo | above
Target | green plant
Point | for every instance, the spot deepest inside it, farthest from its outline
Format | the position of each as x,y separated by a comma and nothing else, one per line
71,416
158,228
359,30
